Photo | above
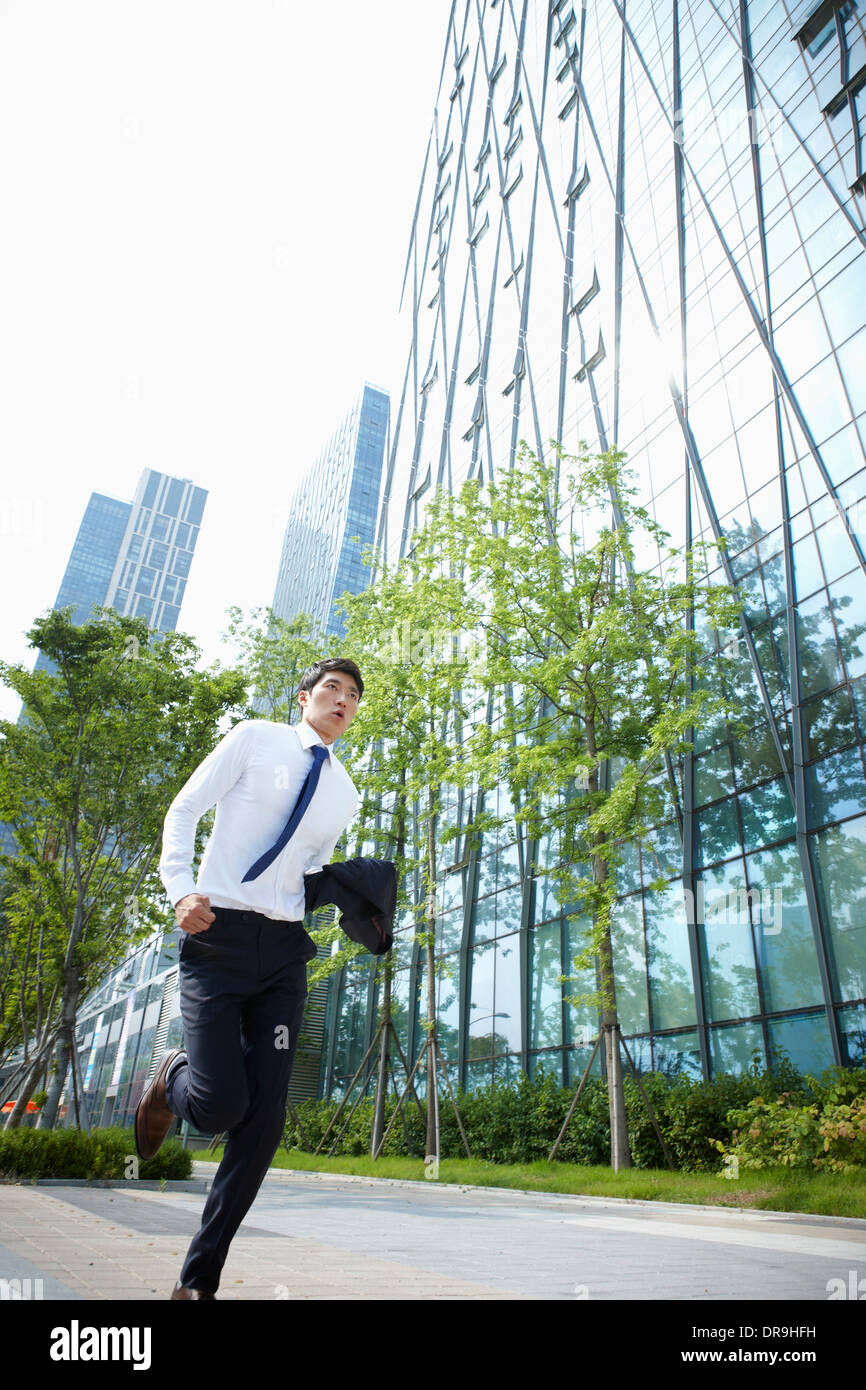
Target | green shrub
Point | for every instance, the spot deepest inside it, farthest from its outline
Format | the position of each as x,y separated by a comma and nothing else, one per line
843,1130
519,1121
825,1136
71,1153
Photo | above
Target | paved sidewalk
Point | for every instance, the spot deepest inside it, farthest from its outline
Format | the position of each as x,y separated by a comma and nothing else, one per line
317,1236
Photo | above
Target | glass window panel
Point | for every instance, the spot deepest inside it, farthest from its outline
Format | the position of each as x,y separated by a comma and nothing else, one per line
507,863
852,1027
839,856
486,875
820,667
581,1018
767,814
481,1007
669,961
678,1054
783,932
576,1063
805,1040
508,908
717,833
808,575
829,723
545,990
507,1030
848,598
448,1007
727,952
546,902
823,401
662,852
479,1075
755,756
801,339
772,574
506,1069
835,788
547,1064
852,360
733,1049
628,872
837,552
400,1005
771,646
629,965
484,919
714,775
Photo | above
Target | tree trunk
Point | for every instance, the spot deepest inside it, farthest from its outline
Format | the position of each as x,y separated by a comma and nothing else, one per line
620,1153
28,1086
62,1049
384,1045
432,1148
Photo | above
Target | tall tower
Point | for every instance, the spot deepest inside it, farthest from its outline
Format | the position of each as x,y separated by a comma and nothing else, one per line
134,556
154,560
333,515
641,223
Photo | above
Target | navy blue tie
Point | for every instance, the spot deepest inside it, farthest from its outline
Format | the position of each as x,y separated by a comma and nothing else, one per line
320,753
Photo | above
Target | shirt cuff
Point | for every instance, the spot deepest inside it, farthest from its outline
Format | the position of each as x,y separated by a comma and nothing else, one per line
179,886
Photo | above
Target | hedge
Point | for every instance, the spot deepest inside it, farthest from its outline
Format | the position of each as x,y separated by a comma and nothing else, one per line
518,1122
71,1153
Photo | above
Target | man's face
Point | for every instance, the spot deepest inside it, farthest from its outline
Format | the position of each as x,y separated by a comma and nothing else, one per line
331,705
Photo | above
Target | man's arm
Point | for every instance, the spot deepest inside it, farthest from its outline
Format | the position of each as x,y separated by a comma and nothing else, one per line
213,777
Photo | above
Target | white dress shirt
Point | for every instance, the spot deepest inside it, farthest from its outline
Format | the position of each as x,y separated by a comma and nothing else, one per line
254,777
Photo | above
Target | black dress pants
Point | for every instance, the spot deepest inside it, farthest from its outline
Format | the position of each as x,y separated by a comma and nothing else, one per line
243,984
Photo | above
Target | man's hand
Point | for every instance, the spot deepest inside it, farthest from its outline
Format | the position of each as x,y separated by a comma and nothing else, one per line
193,913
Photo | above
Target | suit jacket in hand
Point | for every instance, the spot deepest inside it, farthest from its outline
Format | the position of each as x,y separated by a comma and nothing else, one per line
365,891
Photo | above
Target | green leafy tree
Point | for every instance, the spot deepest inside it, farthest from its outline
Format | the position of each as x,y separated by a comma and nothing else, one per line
592,649
273,653
414,634
107,739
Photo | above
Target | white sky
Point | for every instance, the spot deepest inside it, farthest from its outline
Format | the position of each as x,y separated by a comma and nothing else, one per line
206,207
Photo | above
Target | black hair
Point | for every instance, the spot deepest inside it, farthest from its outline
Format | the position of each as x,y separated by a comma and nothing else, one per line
314,673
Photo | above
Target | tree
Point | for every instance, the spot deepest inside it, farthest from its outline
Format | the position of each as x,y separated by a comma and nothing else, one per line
591,655
274,653
413,633
107,739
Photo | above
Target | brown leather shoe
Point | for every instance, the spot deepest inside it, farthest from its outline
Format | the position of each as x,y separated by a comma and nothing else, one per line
185,1292
153,1117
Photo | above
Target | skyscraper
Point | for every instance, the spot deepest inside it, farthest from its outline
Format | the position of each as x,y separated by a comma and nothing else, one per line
642,224
134,556
153,563
333,516
93,556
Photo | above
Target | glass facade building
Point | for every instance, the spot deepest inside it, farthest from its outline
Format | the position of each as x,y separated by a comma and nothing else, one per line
94,554
134,556
641,223
333,516
154,560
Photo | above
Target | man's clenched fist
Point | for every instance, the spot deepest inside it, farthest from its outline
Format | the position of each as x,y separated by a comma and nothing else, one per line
193,913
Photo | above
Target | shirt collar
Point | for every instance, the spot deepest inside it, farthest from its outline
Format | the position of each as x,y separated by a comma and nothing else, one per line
308,736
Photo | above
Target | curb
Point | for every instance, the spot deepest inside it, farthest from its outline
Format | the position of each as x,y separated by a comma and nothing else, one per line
194,1184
